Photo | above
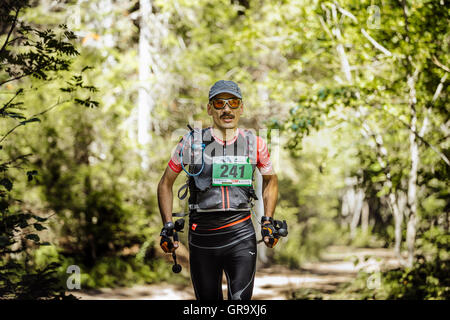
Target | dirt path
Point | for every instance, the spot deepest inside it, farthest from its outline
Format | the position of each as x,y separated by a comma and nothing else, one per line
336,266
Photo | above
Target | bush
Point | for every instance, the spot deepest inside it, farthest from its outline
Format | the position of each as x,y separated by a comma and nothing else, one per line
306,241
424,281
367,239
110,271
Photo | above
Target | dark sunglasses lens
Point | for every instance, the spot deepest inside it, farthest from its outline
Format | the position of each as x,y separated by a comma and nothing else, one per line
234,103
218,104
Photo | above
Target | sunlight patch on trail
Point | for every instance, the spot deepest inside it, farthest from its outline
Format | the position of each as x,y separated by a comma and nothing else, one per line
338,265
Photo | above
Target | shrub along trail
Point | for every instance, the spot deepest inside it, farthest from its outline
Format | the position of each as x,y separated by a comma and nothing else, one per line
318,279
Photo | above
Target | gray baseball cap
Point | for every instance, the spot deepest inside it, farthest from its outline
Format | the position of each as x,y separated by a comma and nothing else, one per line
225,86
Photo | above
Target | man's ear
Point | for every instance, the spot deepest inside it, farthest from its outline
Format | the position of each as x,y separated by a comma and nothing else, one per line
208,108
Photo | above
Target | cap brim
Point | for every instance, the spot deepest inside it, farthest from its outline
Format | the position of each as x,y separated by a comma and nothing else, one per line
226,91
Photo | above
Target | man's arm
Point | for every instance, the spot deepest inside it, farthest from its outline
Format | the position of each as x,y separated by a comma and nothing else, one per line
165,194
269,187
270,197
270,179
270,193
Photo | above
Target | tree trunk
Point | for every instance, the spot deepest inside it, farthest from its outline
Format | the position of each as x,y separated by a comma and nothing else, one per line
365,217
399,204
344,61
396,202
259,212
412,196
357,208
412,181
335,34
145,100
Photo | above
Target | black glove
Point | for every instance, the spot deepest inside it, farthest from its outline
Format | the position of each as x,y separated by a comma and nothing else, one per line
166,242
269,230
273,229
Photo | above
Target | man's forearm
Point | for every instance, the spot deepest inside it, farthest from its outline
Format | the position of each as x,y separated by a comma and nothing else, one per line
270,194
165,202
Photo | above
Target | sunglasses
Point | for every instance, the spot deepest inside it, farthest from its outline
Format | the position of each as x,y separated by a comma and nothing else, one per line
218,104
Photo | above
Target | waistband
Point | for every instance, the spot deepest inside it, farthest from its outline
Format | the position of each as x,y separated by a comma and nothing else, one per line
222,238
217,220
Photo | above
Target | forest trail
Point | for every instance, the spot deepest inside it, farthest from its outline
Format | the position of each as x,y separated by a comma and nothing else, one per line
336,266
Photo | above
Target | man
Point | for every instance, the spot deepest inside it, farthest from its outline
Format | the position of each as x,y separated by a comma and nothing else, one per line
221,160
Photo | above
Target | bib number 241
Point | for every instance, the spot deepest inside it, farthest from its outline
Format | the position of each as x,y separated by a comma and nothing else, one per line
232,171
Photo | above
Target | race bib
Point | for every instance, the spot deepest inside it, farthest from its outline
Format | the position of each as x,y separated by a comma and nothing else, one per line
232,171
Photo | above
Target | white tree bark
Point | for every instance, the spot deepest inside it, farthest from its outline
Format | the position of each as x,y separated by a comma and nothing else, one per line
344,62
399,209
365,217
145,99
412,201
375,44
396,204
357,209
155,81
259,212
412,180
335,34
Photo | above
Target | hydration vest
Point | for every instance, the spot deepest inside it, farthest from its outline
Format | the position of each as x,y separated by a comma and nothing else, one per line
204,196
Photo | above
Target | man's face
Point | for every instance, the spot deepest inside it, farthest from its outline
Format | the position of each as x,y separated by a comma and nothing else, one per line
225,118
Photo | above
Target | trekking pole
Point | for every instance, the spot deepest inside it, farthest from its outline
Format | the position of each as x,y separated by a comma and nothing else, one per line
179,225
176,268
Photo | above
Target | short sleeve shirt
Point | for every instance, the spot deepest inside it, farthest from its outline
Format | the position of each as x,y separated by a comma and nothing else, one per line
263,162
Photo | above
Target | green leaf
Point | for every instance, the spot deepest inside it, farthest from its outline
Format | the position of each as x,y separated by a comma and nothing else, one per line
4,241
39,227
6,183
40,219
33,237
87,68
88,103
30,174
23,223
30,120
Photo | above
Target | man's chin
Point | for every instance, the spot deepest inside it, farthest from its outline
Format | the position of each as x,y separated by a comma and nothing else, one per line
226,125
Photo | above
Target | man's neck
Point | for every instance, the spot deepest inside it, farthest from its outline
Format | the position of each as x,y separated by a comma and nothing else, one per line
224,134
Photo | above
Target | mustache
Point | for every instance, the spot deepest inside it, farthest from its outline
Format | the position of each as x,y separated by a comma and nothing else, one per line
227,115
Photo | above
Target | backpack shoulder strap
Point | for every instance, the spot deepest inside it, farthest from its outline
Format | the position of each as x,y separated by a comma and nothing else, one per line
251,140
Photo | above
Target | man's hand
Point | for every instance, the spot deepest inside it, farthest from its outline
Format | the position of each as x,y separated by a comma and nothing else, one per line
166,243
267,232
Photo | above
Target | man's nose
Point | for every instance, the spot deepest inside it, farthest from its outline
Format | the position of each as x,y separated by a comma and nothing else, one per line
227,106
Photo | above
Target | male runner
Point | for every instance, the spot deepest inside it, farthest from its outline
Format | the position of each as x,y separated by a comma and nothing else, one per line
221,160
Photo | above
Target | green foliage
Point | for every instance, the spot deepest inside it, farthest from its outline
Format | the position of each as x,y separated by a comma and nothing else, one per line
368,101
366,239
434,243
426,280
18,282
108,271
116,271
307,199
101,221
83,168
26,52
84,171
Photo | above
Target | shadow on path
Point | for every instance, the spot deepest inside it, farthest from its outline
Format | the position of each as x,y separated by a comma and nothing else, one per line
338,265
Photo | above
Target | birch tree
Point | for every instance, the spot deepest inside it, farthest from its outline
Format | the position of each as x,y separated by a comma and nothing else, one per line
397,81
145,99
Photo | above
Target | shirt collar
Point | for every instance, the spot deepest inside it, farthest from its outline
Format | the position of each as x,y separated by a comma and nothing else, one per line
228,142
